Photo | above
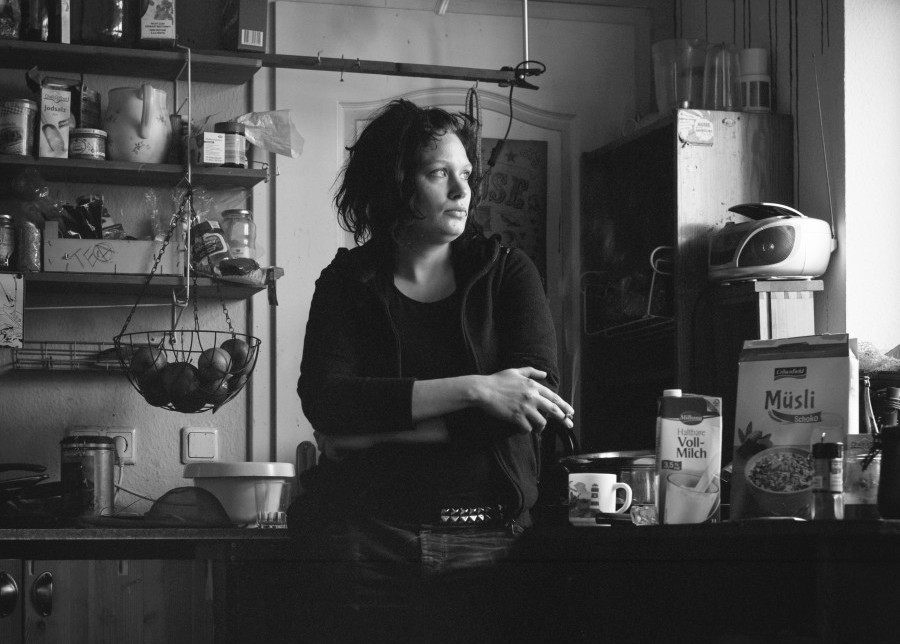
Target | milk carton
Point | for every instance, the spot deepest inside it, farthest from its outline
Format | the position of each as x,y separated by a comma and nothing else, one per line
689,457
792,392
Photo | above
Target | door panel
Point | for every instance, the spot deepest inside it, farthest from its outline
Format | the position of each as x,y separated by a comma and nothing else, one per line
11,600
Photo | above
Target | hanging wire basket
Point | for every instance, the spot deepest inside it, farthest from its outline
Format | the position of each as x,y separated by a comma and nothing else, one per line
189,371
186,370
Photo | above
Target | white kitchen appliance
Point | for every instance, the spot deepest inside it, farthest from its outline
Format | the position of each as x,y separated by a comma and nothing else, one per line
776,243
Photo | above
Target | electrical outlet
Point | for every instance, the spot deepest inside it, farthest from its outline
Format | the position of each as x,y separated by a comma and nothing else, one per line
125,443
124,438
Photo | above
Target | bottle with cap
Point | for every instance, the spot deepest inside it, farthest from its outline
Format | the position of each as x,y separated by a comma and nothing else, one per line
889,481
828,481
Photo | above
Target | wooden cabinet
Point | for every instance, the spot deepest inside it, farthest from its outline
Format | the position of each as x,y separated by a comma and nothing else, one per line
88,601
649,202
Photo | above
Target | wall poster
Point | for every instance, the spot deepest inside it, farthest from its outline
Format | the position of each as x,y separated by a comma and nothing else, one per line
514,205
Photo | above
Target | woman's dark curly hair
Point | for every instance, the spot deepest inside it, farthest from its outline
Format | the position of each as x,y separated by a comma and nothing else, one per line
377,182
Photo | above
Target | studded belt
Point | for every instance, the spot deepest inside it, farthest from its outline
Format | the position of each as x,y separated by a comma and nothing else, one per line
475,515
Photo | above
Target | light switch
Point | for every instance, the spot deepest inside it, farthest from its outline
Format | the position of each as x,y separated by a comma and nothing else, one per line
199,444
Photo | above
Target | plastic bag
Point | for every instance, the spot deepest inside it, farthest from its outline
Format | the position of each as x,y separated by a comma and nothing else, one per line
273,131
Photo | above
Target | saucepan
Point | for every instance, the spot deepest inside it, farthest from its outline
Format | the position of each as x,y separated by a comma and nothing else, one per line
635,467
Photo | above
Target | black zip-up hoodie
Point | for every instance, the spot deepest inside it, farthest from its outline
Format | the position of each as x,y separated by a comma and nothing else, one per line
350,379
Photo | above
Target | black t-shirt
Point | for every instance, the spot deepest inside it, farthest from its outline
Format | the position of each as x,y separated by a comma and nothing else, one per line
417,480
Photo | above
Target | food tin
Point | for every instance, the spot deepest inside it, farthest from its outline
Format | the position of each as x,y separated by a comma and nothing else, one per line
87,143
17,126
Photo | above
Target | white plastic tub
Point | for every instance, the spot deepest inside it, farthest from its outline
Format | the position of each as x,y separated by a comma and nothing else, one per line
234,484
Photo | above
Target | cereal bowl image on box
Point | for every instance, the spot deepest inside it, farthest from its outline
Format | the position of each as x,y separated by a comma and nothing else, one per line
780,480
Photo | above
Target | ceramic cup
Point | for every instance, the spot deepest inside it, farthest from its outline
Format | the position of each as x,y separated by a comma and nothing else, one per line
591,493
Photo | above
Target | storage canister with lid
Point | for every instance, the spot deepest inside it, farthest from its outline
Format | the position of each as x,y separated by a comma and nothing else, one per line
86,475
240,231
235,143
17,119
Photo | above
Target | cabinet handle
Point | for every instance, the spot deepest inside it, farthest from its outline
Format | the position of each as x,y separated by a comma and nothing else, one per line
42,594
9,594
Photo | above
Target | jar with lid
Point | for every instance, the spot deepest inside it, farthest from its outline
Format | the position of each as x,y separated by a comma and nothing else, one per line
235,143
240,231
7,242
828,481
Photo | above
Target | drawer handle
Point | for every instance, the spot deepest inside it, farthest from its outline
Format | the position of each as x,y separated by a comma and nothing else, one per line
9,594
42,594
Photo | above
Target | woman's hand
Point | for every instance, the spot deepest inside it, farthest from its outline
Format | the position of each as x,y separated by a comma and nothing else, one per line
516,396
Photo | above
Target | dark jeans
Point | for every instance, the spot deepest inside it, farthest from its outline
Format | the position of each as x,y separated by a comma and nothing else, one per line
378,582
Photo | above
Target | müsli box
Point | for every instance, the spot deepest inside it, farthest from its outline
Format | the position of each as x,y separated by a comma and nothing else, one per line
792,392
118,257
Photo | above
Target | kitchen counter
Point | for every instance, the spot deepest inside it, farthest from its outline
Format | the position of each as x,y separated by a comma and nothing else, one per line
226,544
755,581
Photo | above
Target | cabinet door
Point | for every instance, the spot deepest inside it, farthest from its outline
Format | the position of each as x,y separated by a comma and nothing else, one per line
117,601
11,600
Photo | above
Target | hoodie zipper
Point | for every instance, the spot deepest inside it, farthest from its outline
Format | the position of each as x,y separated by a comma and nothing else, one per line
517,489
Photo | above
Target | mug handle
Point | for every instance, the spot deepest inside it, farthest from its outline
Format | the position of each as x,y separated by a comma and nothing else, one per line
627,503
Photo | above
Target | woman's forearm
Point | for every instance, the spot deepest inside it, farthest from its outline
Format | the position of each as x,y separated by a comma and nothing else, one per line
442,396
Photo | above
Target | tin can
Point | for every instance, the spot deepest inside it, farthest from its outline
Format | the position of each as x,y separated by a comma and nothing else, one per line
87,143
7,242
17,118
28,255
86,475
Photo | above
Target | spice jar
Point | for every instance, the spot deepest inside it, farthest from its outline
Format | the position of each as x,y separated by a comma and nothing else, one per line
235,143
828,481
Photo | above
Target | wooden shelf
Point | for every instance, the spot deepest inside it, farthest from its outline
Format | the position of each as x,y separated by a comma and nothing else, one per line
206,67
130,286
126,173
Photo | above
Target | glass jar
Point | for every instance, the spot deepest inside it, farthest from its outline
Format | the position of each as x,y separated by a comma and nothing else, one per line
235,143
240,231
7,242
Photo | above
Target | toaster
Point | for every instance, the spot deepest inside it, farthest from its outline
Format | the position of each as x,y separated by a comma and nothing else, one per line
777,243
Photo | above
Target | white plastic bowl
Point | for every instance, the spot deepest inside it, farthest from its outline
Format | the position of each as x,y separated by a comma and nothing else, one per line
234,484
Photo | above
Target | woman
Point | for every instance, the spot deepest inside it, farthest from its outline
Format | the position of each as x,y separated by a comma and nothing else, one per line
428,373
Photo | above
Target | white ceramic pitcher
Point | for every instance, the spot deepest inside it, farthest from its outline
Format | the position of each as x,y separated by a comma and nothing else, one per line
137,125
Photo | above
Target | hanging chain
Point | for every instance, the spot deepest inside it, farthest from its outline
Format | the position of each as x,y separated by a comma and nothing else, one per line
178,216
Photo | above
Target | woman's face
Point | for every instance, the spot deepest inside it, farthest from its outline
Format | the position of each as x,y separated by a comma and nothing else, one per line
441,200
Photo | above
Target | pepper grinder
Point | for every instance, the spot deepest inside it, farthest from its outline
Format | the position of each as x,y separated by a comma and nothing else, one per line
889,482
828,481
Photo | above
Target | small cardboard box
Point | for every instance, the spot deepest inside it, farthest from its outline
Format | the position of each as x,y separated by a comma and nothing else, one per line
118,257
158,22
56,118
792,392
244,25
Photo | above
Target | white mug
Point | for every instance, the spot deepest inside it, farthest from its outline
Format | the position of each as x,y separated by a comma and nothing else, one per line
591,493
